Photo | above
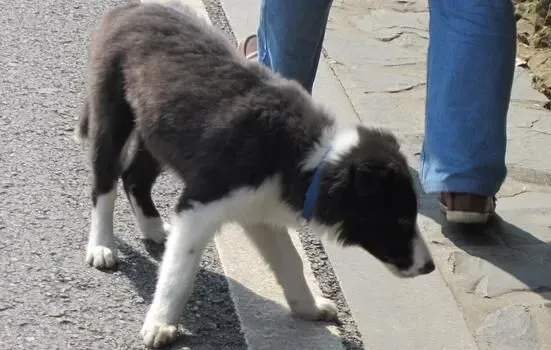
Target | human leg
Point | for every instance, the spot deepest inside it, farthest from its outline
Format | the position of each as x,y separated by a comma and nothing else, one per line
470,72
290,37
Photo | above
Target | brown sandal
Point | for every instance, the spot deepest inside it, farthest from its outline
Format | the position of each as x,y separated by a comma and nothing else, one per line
248,47
467,208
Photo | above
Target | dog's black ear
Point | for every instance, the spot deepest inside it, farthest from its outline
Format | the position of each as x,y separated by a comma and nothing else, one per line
371,179
390,140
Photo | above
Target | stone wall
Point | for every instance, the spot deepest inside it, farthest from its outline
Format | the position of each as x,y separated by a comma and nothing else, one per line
534,40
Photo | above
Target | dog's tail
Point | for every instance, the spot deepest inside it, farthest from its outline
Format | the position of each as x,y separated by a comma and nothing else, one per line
81,129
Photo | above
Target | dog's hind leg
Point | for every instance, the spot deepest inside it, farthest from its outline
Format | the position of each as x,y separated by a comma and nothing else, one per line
138,179
277,248
110,124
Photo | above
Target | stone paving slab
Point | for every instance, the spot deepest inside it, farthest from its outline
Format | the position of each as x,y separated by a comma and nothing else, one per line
379,55
500,275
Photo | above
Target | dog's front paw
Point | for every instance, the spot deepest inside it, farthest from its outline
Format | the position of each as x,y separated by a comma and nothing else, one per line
157,334
101,257
322,310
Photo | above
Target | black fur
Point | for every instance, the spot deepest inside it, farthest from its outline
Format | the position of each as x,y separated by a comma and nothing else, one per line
223,123
372,193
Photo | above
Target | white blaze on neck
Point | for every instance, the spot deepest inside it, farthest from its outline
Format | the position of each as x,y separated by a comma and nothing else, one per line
341,142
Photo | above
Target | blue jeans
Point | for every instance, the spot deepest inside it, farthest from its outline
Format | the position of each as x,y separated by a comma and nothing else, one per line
470,68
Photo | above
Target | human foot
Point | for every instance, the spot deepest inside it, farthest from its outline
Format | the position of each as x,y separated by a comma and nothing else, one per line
466,208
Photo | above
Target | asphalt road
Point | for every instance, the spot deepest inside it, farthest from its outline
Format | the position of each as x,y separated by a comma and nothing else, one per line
49,297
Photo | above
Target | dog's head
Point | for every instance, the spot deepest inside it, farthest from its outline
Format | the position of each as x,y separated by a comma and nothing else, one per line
368,196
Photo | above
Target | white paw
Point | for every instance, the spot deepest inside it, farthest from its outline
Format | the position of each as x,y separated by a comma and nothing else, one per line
156,231
323,310
156,334
101,257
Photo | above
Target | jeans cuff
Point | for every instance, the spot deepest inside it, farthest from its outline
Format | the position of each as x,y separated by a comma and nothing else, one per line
465,185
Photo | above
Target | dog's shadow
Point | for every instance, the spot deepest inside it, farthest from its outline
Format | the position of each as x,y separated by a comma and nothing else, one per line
209,311
508,250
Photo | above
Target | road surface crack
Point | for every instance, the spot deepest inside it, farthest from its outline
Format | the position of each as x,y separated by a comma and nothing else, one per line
397,90
516,194
399,34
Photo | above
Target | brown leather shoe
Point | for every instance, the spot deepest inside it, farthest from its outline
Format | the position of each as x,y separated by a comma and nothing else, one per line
466,208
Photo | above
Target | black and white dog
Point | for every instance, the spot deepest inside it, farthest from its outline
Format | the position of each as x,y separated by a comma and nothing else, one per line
167,89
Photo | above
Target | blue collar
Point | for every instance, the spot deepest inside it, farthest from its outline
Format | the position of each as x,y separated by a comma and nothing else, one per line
311,196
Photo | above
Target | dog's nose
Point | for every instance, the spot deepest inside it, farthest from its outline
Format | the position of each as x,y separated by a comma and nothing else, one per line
427,268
